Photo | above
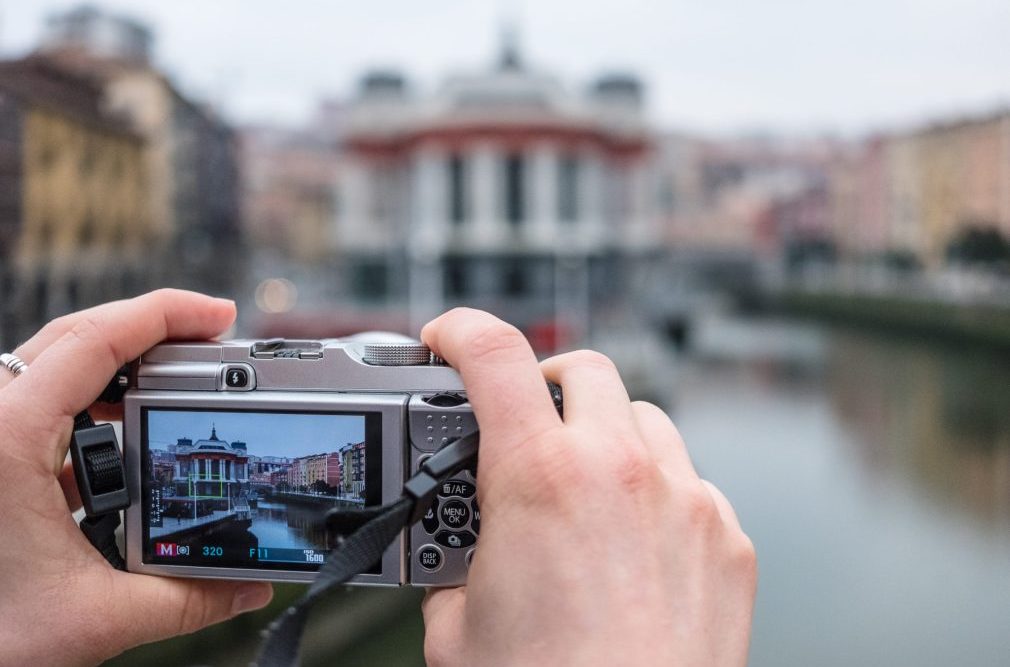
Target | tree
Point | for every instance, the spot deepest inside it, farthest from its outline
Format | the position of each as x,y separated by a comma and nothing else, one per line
978,243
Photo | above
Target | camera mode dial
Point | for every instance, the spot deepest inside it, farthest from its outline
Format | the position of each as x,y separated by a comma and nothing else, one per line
397,354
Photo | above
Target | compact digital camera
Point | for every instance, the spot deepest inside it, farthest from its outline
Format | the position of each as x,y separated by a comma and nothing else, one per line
235,449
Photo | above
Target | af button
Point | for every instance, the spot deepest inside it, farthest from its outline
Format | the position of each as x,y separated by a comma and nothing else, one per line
457,487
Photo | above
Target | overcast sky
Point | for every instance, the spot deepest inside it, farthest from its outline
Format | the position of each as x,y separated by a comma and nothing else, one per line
265,434
710,65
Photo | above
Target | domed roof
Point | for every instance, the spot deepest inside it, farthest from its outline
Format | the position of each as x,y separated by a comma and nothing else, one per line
212,443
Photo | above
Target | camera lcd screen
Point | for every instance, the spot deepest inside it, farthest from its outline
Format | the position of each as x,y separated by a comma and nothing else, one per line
245,489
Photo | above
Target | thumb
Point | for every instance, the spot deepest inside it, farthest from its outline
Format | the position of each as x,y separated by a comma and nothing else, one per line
155,608
443,626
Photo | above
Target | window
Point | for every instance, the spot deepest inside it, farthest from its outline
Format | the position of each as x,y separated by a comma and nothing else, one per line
568,189
514,191
515,278
457,189
455,278
369,280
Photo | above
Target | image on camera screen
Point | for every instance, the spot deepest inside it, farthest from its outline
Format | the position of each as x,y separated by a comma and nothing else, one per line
249,489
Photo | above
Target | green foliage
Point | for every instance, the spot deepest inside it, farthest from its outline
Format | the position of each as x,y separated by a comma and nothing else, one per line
979,243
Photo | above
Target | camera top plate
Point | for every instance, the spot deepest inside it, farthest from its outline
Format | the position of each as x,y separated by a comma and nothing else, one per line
296,365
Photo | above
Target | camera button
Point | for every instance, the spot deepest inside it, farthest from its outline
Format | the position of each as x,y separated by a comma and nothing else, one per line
236,378
457,487
469,557
430,518
430,558
454,514
475,523
459,540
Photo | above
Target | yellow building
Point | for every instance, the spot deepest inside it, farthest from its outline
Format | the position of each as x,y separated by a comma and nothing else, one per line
75,193
964,179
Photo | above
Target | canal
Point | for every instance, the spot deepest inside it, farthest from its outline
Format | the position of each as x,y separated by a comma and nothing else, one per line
872,473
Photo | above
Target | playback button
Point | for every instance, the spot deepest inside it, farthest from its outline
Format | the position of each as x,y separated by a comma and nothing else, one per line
430,558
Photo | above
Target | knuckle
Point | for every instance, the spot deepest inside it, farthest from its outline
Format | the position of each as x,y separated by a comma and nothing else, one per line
699,507
162,295
90,332
646,407
744,556
60,324
635,469
591,359
495,339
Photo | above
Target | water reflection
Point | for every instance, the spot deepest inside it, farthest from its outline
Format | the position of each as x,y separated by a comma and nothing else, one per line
872,475
936,414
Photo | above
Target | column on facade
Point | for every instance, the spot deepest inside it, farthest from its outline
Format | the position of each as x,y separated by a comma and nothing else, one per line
351,228
483,177
429,227
640,189
542,186
592,195
430,210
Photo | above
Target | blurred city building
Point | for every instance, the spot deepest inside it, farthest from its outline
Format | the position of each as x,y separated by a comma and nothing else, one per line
170,217
75,219
917,192
289,190
502,190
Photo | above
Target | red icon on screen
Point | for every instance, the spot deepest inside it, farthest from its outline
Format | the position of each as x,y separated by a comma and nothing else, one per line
170,549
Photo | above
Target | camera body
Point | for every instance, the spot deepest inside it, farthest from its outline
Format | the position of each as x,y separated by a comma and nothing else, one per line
236,449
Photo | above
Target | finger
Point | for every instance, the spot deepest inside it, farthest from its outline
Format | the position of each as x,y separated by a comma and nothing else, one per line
148,609
500,372
53,331
662,439
593,390
70,373
443,610
49,334
68,482
726,511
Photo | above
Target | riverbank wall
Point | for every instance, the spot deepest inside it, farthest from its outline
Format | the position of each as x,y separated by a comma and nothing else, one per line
974,324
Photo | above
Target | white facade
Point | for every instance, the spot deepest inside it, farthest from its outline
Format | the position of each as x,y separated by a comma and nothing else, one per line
474,194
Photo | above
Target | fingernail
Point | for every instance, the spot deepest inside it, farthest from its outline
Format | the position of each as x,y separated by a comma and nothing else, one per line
251,596
230,302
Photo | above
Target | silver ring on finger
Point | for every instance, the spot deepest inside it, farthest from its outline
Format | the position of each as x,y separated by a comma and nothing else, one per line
13,363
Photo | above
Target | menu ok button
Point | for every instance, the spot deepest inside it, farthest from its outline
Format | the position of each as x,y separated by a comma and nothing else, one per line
454,513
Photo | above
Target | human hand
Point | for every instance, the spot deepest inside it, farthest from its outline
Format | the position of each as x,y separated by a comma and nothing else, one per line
61,603
599,544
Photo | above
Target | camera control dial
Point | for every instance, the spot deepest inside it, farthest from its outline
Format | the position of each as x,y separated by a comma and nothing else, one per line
397,354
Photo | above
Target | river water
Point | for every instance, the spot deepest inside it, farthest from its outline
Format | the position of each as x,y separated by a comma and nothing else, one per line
873,475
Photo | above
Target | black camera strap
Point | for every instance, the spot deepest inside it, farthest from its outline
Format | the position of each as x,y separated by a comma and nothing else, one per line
101,483
374,529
